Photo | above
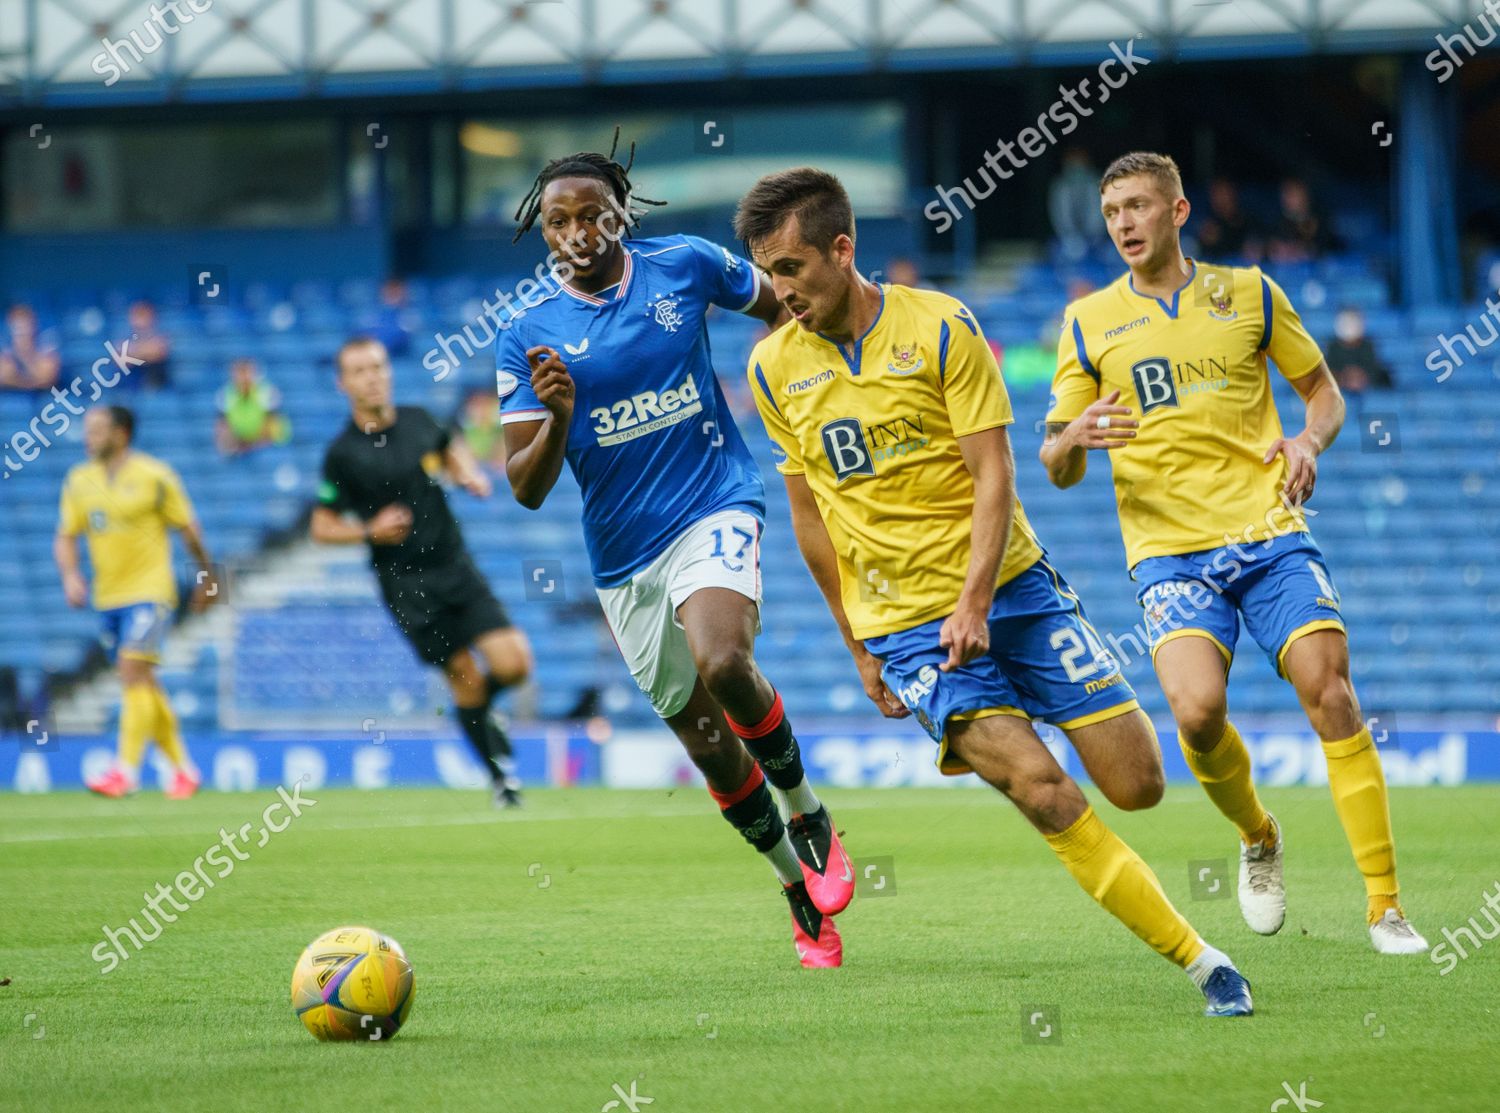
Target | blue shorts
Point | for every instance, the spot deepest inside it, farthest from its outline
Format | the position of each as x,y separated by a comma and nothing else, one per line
135,631
1045,662
1280,587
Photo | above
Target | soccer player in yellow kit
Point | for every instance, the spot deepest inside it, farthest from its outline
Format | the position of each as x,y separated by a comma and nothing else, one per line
890,411
1166,370
124,502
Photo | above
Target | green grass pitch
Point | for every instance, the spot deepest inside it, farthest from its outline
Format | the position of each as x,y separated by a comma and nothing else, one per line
629,938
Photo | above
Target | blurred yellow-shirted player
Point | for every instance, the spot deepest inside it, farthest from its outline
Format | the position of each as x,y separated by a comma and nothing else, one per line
124,502
1167,369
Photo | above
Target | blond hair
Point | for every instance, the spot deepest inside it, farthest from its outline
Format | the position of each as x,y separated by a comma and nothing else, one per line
1160,168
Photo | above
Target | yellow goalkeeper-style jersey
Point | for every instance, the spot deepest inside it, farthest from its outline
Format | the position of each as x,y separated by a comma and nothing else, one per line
874,428
126,517
1194,369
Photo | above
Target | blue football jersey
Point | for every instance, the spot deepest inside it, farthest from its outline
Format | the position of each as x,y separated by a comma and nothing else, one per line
652,443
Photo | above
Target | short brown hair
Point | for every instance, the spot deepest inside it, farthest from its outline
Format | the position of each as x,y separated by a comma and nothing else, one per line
815,197
353,342
1160,168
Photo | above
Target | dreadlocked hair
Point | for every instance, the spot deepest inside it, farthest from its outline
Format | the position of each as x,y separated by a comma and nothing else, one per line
587,164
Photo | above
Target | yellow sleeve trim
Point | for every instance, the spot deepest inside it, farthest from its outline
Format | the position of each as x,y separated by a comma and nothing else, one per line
986,425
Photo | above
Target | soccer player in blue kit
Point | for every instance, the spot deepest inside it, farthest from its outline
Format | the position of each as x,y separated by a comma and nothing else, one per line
673,503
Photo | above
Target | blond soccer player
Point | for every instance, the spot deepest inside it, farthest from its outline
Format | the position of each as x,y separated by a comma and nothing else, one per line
1166,370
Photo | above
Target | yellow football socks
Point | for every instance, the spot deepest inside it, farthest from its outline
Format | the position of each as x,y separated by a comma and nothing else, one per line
1224,773
137,720
1359,796
168,736
1114,875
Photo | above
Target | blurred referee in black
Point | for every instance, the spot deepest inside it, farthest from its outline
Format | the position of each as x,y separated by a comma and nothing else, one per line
380,486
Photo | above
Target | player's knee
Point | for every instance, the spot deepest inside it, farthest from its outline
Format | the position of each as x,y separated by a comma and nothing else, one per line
1201,719
512,666
1041,795
1331,702
1144,789
464,679
726,671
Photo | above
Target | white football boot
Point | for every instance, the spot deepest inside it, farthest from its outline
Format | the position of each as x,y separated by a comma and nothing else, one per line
1262,890
1393,934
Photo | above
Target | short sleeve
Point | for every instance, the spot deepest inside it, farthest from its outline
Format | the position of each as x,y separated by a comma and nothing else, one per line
70,517
972,388
789,459
1284,338
1075,385
731,280
176,508
331,492
518,402
440,434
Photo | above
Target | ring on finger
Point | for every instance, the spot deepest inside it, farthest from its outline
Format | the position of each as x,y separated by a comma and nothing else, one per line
1103,422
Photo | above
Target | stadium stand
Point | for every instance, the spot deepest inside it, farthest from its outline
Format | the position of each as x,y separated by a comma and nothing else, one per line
1408,512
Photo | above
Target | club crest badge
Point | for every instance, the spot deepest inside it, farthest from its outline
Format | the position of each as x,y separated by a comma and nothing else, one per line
904,359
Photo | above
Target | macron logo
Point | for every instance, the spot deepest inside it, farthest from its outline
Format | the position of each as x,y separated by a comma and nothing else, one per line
578,351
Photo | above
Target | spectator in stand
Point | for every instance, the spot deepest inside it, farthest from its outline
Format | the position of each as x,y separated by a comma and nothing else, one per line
901,271
1302,231
393,321
1229,234
1352,357
1073,204
148,342
479,422
249,412
28,355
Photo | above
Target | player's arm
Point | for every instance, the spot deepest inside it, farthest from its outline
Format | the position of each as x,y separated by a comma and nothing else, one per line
988,456
71,521
1296,354
65,555
818,553
205,583
1324,404
766,308
1103,424
1078,419
535,450
464,469
390,526
333,521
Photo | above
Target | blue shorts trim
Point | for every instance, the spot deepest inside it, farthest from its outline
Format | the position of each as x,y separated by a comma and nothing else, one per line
1280,588
1046,661
136,631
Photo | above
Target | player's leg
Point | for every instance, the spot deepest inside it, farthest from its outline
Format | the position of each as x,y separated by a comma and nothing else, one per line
470,687
739,787
474,616
1318,667
1043,642
1192,630
1194,677
1193,673
1123,759
641,617
1291,608
1006,753
713,577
